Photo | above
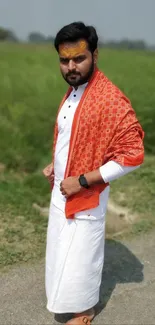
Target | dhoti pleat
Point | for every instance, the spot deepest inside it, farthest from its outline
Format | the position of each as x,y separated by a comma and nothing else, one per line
74,258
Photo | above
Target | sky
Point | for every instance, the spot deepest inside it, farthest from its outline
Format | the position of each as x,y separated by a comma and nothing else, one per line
113,19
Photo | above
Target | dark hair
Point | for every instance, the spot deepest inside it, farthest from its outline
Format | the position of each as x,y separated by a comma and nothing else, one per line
76,31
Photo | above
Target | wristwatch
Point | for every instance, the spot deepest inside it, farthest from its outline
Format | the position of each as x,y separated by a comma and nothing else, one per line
83,181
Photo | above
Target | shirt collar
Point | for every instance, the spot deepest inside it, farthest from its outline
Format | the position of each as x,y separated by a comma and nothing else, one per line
81,87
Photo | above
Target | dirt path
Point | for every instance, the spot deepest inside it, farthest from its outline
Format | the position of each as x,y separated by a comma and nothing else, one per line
127,292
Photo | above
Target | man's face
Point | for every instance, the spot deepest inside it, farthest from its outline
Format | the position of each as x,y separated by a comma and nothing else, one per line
76,62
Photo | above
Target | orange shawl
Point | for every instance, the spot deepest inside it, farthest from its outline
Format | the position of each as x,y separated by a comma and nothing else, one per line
104,128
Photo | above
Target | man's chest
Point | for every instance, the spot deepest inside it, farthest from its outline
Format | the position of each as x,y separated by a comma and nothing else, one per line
67,112
65,117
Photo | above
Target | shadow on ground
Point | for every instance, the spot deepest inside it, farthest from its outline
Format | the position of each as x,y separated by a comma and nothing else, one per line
120,266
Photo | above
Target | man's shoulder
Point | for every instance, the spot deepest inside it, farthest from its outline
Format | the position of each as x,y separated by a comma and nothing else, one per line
111,91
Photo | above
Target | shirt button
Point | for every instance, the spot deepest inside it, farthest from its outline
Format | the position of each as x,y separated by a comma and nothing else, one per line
74,95
69,106
64,116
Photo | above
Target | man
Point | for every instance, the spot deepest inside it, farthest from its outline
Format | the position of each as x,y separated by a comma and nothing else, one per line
97,139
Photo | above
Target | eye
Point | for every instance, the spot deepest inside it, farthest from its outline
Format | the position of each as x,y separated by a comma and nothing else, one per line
79,59
64,60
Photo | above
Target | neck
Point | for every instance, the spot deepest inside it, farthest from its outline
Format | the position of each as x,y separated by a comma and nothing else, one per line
95,68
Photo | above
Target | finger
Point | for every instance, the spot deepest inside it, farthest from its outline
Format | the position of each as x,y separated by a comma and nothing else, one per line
61,187
50,176
47,172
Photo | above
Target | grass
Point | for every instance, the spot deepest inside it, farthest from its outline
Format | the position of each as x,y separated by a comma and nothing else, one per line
30,91
22,228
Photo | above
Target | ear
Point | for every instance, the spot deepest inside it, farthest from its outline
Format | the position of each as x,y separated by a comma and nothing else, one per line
95,56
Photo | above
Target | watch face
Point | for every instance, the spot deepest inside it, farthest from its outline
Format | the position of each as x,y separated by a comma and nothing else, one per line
83,181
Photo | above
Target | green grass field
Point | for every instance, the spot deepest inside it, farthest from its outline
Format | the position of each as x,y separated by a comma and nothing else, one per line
31,88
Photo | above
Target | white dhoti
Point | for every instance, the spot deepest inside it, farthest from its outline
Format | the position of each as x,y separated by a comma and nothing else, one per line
74,258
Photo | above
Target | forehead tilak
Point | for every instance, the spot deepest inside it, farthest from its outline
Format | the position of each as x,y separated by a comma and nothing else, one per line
66,50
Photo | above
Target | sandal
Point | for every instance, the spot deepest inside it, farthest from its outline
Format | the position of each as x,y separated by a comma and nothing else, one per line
82,318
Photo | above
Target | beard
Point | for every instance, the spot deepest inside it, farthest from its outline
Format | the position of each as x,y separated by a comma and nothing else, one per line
75,79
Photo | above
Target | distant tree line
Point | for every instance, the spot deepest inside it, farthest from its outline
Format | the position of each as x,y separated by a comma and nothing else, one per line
37,37
126,44
7,35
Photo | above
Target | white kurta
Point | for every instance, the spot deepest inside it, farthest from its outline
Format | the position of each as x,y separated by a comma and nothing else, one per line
75,248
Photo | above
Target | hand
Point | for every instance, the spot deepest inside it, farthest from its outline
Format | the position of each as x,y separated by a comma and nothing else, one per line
49,173
70,186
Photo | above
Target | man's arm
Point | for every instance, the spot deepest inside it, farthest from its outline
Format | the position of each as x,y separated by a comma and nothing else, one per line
107,173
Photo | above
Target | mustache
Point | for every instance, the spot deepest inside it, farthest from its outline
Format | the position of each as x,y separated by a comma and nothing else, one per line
73,73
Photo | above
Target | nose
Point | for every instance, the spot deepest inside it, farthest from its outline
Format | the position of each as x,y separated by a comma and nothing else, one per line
71,65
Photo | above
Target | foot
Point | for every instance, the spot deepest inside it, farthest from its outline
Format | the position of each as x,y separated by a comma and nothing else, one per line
83,318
